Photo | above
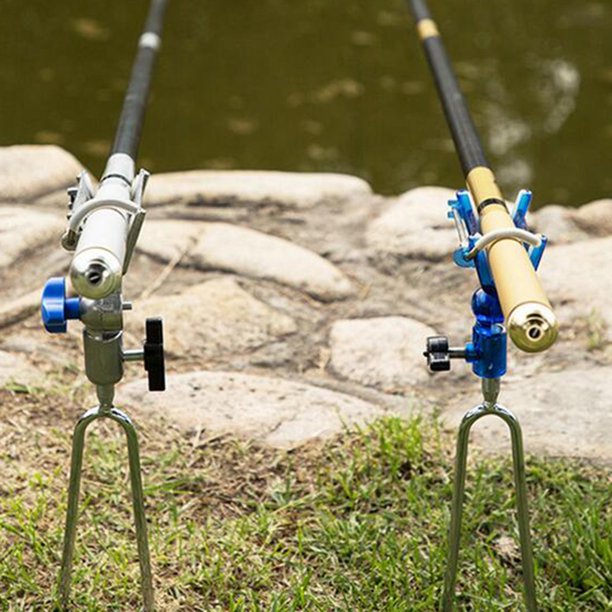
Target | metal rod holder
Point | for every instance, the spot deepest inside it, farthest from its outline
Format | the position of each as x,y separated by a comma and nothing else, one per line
489,407
78,443
487,354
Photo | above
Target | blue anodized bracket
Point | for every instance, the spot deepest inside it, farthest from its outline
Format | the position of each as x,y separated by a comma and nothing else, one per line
487,352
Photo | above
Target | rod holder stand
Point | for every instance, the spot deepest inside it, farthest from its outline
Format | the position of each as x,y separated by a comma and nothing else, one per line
104,366
487,354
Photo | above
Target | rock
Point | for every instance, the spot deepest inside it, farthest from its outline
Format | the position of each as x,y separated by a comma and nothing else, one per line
252,188
415,226
24,229
563,413
31,171
577,278
383,352
595,218
272,411
557,223
231,248
21,308
213,319
16,369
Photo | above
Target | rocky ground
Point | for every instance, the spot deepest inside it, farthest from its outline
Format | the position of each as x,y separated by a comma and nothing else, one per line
295,304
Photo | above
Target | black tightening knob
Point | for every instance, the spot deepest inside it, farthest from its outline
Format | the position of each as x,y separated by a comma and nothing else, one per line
154,355
438,354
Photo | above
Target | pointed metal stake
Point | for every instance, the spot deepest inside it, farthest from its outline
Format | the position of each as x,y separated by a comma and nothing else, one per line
78,443
489,407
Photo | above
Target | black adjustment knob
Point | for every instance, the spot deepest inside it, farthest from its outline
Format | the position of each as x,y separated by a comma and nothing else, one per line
154,355
438,354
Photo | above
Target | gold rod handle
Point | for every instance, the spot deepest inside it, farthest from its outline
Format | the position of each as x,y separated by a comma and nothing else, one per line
531,322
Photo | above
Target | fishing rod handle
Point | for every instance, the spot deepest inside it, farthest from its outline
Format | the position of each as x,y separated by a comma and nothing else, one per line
531,322
98,264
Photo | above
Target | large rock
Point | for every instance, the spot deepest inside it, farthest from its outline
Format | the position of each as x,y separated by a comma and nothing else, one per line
415,226
24,229
383,352
577,277
213,319
252,188
272,411
221,246
564,413
595,218
31,171
16,310
557,223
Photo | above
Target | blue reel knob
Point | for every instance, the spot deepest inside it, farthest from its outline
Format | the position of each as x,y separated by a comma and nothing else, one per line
56,309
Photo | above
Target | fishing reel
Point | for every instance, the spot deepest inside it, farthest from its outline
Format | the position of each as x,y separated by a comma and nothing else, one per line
103,335
487,351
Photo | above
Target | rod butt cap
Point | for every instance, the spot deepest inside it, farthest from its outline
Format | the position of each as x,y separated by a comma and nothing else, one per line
533,327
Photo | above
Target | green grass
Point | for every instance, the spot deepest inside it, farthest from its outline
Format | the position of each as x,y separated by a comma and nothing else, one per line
357,524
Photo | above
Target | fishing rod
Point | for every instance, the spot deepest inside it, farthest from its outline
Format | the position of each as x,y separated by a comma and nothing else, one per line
531,323
510,300
103,228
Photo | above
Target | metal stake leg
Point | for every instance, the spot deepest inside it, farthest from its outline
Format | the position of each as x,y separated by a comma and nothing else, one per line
76,464
520,483
78,443
140,521
458,498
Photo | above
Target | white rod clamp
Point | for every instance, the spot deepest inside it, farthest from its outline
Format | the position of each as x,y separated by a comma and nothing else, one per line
492,237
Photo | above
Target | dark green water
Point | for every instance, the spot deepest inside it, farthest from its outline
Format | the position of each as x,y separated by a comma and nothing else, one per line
328,85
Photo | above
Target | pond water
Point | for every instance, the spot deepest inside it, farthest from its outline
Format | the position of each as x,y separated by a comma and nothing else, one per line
322,85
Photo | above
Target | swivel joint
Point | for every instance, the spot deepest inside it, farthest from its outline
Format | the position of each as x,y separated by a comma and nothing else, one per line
103,334
488,349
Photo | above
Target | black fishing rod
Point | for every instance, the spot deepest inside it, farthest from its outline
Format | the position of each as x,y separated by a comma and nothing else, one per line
103,228
129,130
529,317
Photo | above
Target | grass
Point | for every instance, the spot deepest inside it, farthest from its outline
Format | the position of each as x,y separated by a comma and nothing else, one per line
359,523
596,330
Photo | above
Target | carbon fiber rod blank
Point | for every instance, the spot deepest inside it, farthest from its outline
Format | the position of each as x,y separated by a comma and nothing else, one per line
127,138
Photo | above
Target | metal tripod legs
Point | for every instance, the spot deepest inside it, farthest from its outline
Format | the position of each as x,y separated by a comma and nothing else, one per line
490,407
137,501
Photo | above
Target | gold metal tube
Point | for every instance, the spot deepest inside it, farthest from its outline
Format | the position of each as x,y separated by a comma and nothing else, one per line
530,320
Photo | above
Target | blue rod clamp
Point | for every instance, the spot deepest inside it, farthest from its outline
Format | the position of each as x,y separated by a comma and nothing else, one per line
487,351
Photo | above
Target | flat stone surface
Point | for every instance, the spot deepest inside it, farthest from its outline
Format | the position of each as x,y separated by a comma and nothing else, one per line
15,310
415,226
232,248
15,368
558,224
561,414
577,277
212,319
252,188
383,352
24,229
31,171
595,218
272,411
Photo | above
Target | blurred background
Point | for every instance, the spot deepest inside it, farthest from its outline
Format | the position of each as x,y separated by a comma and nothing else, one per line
322,85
